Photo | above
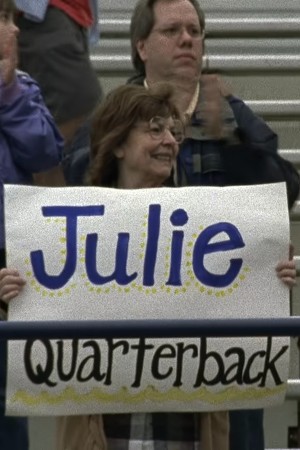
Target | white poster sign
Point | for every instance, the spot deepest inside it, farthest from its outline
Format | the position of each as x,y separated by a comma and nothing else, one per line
186,253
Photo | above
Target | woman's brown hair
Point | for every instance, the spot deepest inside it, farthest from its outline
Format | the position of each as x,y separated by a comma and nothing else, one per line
116,117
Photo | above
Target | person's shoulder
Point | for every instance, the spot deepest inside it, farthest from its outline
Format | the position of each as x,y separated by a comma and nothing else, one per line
231,98
22,75
27,83
25,78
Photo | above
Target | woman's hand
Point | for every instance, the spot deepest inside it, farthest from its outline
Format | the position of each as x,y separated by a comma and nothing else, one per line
286,271
11,284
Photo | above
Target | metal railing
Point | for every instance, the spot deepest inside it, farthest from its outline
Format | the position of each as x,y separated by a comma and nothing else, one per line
156,329
88,329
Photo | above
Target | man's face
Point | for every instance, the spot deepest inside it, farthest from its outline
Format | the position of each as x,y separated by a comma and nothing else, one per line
174,47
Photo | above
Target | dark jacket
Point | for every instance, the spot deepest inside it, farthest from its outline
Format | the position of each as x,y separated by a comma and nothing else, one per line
248,155
245,165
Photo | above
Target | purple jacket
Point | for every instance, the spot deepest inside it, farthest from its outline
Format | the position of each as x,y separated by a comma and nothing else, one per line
29,139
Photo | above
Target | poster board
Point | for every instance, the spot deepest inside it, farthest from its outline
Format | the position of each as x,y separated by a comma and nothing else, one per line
97,253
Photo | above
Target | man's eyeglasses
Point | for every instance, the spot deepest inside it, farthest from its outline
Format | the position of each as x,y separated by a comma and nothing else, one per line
174,31
158,126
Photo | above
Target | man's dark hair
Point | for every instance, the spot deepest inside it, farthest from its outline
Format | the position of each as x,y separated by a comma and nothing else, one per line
142,22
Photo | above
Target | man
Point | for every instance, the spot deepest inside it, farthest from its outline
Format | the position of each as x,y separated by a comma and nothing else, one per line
226,143
167,40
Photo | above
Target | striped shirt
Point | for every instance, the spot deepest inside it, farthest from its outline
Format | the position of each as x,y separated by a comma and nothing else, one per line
153,431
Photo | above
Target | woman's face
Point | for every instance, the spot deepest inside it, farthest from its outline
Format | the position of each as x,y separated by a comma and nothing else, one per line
147,157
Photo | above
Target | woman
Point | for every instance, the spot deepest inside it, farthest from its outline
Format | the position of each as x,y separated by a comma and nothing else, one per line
135,139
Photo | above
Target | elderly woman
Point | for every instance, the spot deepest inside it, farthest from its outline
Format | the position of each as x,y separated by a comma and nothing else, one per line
135,139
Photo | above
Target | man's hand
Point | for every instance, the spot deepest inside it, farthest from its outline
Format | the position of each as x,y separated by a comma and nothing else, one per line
223,87
214,90
211,108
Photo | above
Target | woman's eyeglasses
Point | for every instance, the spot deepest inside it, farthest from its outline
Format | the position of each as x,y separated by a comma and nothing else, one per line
159,125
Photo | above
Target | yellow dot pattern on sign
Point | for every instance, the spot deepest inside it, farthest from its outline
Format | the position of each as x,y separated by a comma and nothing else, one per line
190,282
42,291
176,290
149,395
114,286
216,293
